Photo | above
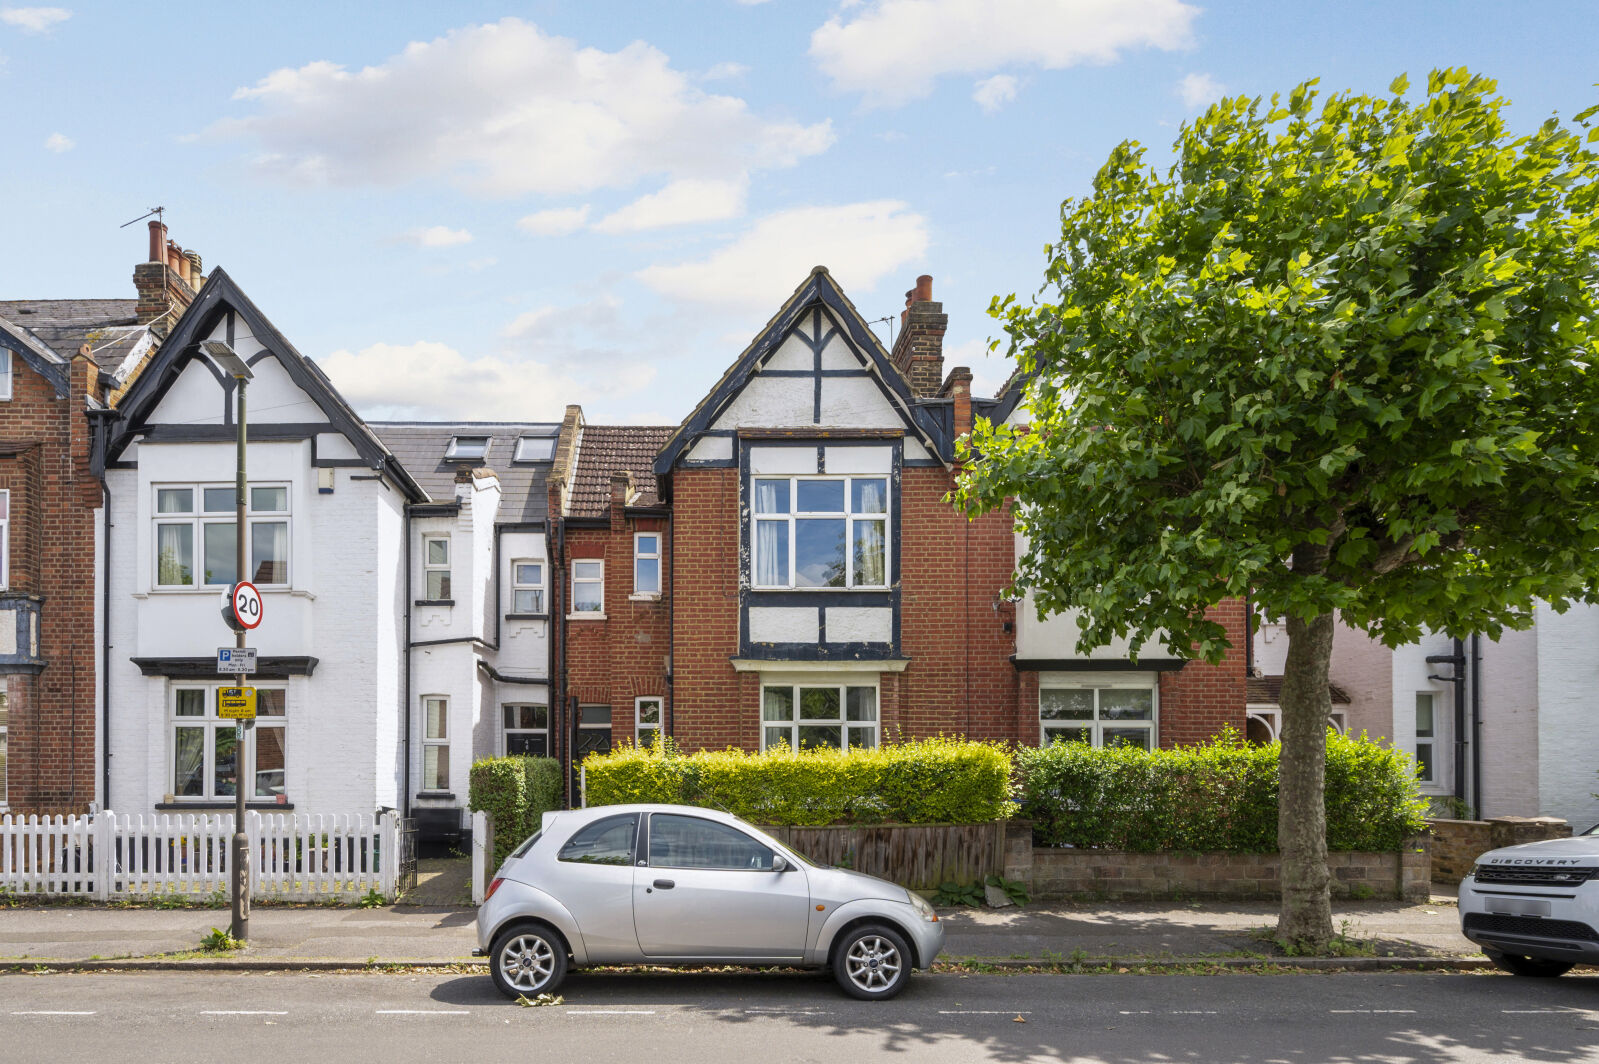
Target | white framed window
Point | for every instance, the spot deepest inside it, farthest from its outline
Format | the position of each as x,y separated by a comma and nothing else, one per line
195,544
435,743
436,568
5,373
527,587
5,550
1426,735
1099,716
534,449
588,586
807,715
647,720
467,448
820,532
526,730
647,563
204,757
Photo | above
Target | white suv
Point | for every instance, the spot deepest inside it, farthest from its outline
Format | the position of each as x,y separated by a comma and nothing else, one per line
1534,908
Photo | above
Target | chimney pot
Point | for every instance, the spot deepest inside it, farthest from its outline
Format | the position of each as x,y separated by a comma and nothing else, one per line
158,240
924,288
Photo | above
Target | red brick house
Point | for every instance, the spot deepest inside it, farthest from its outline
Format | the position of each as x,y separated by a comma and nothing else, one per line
784,566
63,362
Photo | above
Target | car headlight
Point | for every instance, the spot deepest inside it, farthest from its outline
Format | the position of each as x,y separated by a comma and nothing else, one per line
924,910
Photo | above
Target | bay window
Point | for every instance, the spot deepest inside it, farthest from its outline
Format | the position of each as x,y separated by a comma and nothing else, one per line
820,532
205,756
1098,716
195,535
811,715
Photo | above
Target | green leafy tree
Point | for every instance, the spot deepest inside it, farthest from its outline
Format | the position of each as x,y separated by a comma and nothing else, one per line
1338,355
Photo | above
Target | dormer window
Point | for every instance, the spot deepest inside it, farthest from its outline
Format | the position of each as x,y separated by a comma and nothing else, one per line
467,449
535,448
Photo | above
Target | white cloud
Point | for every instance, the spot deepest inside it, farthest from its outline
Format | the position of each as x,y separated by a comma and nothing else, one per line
439,236
894,49
993,93
59,142
680,203
560,221
433,380
510,110
1198,90
34,19
725,72
859,242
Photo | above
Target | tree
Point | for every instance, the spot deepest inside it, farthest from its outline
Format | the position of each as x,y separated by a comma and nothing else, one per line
1338,357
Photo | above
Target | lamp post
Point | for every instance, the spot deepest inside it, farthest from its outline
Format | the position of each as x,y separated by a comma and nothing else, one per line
230,363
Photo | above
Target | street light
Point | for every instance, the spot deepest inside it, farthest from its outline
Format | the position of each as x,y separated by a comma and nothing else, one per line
230,362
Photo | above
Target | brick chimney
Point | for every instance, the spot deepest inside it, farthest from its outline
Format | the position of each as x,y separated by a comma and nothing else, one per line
167,282
919,351
959,388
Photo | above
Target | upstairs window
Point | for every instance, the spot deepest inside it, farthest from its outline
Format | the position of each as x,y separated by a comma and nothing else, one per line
647,563
535,449
467,448
195,536
5,373
5,548
527,587
588,587
820,532
436,568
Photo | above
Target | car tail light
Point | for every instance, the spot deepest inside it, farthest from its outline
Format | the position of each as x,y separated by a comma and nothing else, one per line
494,885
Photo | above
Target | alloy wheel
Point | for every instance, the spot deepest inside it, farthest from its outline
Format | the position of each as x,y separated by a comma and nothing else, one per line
872,963
527,962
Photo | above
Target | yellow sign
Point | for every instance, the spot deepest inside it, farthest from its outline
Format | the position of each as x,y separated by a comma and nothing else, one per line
236,703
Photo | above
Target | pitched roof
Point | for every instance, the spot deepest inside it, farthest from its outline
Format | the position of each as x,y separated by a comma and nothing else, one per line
1270,689
109,326
606,449
420,445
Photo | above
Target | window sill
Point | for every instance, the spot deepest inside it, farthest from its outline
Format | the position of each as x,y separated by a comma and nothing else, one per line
213,589
443,796
877,589
590,616
527,616
435,602
210,805
648,596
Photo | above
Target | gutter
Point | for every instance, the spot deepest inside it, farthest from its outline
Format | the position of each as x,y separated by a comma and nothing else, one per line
405,702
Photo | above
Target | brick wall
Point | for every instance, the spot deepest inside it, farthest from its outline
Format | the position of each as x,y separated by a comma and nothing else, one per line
1198,700
1456,844
44,464
712,706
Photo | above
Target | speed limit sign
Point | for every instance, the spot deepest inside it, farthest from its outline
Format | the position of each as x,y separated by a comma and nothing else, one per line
242,607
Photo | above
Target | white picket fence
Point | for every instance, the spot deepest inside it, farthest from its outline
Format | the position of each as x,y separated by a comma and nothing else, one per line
295,856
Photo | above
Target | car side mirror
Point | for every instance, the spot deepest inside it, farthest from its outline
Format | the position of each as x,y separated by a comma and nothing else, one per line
779,863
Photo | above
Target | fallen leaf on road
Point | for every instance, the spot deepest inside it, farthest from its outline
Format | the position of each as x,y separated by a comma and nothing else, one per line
542,999
1018,1019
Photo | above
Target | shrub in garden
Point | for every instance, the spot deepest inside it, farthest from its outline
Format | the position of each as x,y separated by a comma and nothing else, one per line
515,792
933,781
1219,796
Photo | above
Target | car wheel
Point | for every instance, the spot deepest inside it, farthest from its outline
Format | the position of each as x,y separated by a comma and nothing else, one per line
527,960
872,962
1536,967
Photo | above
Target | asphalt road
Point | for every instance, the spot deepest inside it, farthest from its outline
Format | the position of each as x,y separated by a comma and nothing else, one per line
738,1019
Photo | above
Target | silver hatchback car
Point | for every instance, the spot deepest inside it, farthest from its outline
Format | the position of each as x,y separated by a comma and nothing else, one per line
679,885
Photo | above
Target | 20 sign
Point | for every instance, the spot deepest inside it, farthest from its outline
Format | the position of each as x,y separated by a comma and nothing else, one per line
242,607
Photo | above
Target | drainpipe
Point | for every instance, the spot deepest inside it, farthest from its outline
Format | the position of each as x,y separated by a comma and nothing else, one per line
1476,725
405,703
105,653
1460,720
671,625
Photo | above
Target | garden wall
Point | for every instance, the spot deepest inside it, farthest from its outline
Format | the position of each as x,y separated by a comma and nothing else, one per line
1456,844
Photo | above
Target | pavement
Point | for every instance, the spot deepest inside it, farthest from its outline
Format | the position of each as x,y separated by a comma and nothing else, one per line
1227,934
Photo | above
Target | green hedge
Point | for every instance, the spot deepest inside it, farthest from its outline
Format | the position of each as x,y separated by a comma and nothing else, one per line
515,792
934,781
1220,796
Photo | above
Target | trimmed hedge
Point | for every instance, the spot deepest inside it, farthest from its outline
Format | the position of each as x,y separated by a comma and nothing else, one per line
1220,796
934,781
515,792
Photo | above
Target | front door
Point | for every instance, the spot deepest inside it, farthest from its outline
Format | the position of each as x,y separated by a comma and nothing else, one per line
708,890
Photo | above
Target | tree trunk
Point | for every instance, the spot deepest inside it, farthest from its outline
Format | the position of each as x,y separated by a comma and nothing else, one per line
1305,922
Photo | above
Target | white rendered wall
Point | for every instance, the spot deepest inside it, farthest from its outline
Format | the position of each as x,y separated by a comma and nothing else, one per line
1568,720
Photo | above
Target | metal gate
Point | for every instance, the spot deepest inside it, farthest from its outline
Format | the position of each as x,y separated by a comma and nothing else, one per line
405,880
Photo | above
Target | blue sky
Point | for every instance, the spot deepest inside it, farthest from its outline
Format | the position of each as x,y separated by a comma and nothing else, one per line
476,210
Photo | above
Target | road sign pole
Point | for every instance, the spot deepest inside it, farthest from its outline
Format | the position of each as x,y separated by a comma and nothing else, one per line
241,842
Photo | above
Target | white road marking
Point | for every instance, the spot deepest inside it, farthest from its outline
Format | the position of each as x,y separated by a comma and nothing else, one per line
785,1012
611,1012
241,1012
424,1012
1193,1012
1135,1012
1372,1012
51,1012
984,1012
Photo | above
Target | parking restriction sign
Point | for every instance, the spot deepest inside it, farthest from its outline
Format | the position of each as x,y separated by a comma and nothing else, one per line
236,703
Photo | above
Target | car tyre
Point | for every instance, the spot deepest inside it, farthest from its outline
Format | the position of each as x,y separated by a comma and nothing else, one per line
527,960
872,962
1533,967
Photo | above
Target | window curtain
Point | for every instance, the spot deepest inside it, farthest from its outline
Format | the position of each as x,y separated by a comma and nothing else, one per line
871,497
270,540
771,496
869,555
771,553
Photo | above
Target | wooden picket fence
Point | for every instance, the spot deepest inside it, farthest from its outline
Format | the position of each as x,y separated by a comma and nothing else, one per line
295,856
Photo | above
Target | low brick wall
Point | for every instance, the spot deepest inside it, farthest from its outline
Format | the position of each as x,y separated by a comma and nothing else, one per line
1061,873
1456,844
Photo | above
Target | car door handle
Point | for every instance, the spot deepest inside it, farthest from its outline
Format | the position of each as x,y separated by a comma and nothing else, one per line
664,884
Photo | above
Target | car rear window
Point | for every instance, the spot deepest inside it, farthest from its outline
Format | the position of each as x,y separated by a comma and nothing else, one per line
608,841
527,844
